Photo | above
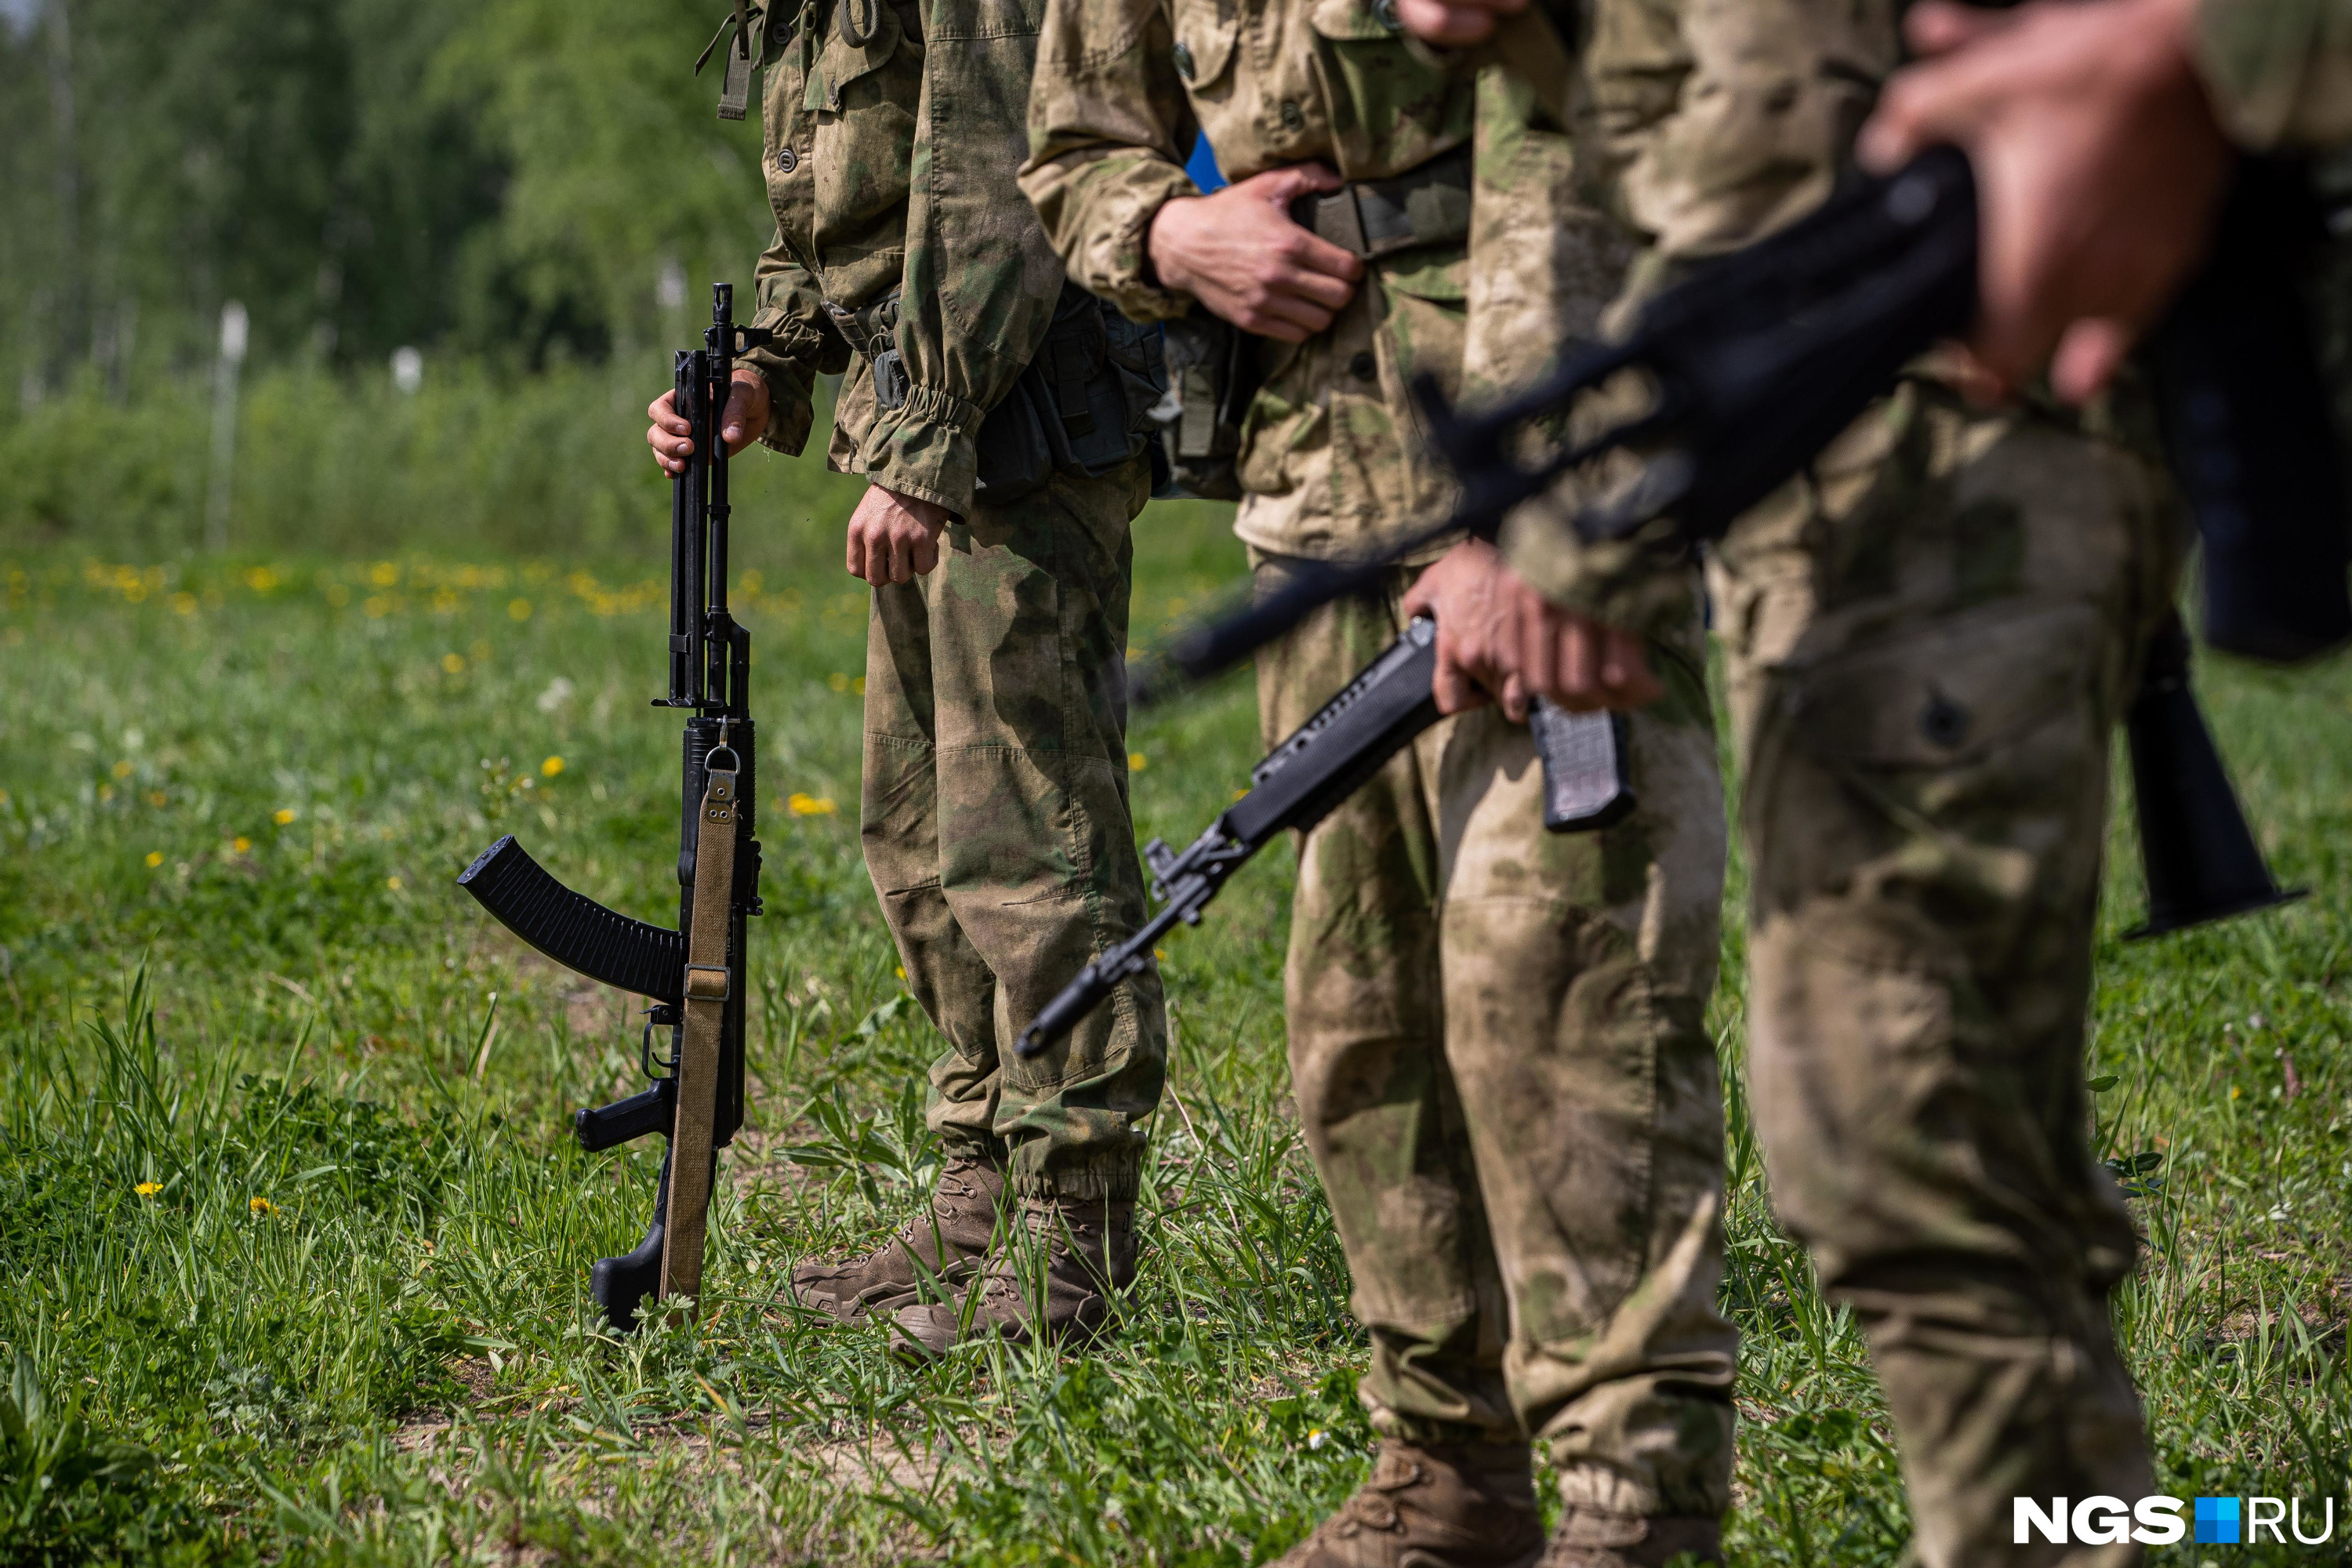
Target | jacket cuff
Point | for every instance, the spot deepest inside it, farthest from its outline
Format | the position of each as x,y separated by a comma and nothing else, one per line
926,448
1118,267
789,366
1641,584
2279,73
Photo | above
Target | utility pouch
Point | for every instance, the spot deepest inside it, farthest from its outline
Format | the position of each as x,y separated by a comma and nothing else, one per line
1083,406
1212,376
873,331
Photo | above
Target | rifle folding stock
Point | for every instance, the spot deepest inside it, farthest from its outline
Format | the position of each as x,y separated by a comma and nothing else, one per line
694,975
1586,786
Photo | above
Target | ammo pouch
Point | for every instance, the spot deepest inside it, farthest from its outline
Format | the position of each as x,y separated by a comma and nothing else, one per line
1083,406
1212,374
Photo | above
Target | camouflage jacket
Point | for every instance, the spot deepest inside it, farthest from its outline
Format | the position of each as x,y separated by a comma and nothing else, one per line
893,129
1709,127
2280,71
1329,451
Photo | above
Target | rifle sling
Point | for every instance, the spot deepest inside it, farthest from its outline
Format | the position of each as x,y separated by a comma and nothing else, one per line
706,986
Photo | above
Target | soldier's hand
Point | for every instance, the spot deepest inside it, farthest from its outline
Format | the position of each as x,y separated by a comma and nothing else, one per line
894,537
1579,664
2100,170
1474,655
1238,253
672,438
1454,22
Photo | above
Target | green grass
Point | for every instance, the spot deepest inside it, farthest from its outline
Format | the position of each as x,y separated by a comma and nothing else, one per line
295,1240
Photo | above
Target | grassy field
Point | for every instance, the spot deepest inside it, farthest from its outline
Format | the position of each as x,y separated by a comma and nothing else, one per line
295,1241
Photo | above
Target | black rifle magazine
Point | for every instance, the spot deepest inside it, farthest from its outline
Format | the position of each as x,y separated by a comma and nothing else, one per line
1588,783
574,928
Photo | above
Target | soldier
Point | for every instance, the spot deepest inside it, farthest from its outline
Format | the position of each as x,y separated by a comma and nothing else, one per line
1929,636
997,413
2101,134
1495,1035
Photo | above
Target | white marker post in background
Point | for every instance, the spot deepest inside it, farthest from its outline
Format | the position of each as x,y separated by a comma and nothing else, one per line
225,374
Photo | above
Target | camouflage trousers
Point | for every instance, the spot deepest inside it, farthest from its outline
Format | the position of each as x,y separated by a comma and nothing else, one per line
1499,1057
996,828
1928,643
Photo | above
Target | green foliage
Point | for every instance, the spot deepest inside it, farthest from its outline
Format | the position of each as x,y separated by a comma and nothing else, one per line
393,1360
506,178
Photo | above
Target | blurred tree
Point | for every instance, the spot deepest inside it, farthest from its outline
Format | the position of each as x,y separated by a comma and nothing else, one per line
498,176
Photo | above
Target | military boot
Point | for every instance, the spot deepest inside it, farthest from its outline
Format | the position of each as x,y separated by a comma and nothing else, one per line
1080,1250
947,1243
1596,1538
1456,1505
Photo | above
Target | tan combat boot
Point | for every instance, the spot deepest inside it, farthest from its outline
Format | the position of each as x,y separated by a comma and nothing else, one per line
1081,1250
1596,1538
947,1243
1456,1505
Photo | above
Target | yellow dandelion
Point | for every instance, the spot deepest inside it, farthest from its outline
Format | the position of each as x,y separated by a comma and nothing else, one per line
1137,762
155,797
147,1189
859,686
383,573
1160,954
550,768
392,882
282,815
155,858
837,680
902,972
805,805
242,844
454,663
122,769
261,579
261,1206
184,603
106,792
518,609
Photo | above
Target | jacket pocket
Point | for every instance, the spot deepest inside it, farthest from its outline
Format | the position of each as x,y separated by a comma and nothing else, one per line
859,39
1206,31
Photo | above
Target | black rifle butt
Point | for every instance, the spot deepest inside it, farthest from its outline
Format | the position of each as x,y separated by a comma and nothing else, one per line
572,929
2199,856
1588,781
620,1285
2250,434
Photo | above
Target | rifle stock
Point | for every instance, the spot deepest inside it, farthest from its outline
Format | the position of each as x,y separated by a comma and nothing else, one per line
694,975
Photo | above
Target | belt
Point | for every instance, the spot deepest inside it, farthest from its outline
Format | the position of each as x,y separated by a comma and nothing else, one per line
1425,205
873,331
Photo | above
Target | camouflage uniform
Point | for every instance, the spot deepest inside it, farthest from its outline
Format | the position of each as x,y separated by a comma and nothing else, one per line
995,813
1928,638
1495,1034
2279,72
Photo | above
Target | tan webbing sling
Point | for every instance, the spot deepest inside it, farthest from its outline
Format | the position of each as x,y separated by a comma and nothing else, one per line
706,1010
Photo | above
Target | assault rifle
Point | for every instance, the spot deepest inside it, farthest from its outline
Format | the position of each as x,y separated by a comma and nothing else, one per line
1757,361
694,975
1587,786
